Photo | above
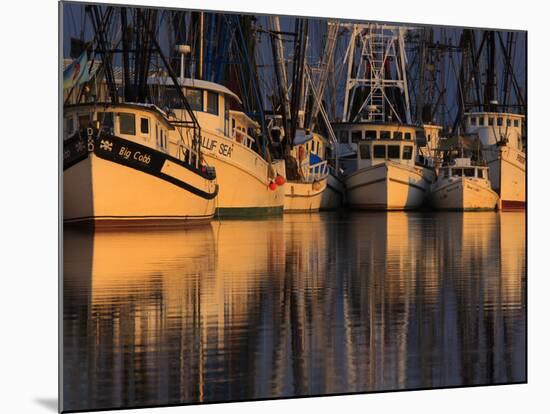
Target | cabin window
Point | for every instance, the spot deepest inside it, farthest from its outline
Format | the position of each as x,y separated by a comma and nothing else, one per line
106,121
516,123
163,138
84,121
469,172
385,134
407,135
480,173
144,126
407,152
343,136
398,135
491,121
499,121
379,151
457,172
481,121
473,120
194,97
212,103
364,151
127,123
370,134
69,125
394,151
226,118
356,136
508,122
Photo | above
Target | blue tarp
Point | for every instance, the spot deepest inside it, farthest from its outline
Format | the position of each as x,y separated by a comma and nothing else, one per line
314,158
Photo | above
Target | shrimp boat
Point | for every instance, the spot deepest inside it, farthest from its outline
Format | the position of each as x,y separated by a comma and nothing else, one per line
382,174
308,181
463,186
124,158
383,169
500,136
230,142
123,162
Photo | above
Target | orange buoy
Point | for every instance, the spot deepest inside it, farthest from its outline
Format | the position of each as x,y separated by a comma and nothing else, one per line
280,180
272,186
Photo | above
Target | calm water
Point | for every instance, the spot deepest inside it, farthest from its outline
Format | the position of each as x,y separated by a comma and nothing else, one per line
302,305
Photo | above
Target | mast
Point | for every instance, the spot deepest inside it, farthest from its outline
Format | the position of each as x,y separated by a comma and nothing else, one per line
326,61
280,65
201,44
490,95
298,75
376,88
100,21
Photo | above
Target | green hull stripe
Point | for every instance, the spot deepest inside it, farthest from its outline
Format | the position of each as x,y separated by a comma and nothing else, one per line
248,212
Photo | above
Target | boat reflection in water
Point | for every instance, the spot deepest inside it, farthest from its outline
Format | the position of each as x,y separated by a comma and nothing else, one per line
305,304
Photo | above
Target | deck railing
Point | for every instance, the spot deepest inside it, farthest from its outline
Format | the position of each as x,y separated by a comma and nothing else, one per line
316,172
242,138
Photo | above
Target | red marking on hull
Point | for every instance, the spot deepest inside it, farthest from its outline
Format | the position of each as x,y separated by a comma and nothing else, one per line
512,205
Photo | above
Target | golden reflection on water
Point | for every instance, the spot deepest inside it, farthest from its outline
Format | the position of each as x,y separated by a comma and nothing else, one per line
302,305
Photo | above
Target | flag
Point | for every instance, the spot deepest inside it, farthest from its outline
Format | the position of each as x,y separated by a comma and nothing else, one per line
77,72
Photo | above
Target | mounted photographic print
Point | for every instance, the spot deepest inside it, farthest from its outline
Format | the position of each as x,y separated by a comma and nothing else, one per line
261,207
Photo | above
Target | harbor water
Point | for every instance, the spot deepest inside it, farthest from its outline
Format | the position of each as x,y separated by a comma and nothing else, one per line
305,304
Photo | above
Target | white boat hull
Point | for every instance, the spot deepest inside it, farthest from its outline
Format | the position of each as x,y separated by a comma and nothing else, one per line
304,197
507,175
243,177
388,186
333,196
100,188
460,193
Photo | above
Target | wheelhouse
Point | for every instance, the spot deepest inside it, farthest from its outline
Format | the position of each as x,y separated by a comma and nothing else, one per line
214,107
378,143
309,151
496,128
462,167
144,124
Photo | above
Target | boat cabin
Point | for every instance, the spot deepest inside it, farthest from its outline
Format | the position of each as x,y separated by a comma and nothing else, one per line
311,142
211,104
377,143
462,167
494,128
428,140
141,123
309,150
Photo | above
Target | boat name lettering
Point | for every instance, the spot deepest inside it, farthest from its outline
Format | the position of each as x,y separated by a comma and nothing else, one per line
209,144
226,150
138,156
223,149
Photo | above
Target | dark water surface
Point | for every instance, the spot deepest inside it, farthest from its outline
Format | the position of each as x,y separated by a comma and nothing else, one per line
301,305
